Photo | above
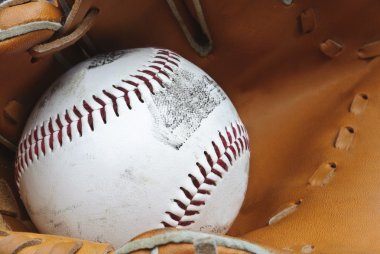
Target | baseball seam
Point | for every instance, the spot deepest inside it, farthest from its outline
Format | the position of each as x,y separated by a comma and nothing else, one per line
51,133
234,143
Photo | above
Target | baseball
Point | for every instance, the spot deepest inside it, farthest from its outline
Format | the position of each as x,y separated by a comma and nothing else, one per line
130,141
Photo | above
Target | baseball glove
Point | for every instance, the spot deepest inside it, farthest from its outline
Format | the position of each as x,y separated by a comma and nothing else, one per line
302,74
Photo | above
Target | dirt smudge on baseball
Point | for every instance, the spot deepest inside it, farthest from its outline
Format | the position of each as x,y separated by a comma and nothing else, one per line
179,110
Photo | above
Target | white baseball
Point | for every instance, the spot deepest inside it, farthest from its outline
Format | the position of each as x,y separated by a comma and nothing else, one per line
131,141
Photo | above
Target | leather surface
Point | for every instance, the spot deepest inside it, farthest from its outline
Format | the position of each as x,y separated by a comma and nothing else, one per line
22,78
29,243
24,14
307,96
188,248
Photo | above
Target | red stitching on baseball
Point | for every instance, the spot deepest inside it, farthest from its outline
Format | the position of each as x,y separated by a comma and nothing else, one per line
161,71
233,151
185,223
114,102
216,172
194,180
235,140
59,123
190,213
90,119
153,76
146,81
201,169
222,164
233,130
35,133
51,144
229,135
31,142
209,182
67,117
138,94
130,82
216,148
166,225
166,59
173,216
36,150
209,159
238,147
125,96
204,192
180,204
166,52
224,141
43,146
50,128
59,137
102,109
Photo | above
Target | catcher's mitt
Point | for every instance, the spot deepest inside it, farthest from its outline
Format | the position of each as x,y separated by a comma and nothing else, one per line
302,74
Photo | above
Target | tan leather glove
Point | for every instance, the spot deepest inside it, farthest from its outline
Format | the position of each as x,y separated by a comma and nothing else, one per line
24,24
29,243
163,241
304,78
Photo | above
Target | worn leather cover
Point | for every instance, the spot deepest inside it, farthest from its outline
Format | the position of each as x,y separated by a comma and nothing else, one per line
304,78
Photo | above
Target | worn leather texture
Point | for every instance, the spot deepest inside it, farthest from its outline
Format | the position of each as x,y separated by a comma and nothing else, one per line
304,78
30,243
21,27
31,22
